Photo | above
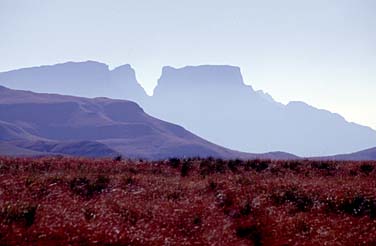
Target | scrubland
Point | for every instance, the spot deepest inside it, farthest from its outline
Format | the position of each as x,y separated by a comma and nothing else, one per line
61,201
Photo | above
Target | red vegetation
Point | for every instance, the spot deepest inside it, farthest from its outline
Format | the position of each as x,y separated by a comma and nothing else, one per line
60,201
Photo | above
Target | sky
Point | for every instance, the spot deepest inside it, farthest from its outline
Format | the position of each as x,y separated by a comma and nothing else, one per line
322,52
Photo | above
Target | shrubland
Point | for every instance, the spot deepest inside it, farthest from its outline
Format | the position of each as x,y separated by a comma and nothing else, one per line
61,201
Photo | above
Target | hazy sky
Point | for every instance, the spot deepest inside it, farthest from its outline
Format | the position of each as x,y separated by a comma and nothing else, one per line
322,52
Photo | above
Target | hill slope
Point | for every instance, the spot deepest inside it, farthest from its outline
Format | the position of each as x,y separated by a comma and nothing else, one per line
363,155
51,123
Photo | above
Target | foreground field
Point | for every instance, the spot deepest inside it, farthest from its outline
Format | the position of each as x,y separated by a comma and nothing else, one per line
60,201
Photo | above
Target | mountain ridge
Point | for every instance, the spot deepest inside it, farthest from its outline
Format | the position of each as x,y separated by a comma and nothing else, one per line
214,102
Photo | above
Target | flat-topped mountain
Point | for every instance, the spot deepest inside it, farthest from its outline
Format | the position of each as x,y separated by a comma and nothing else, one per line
214,102
211,101
87,79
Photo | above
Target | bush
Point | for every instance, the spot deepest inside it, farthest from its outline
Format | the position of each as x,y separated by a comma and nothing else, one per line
212,185
366,168
250,232
84,187
20,213
233,165
118,158
302,202
257,165
185,169
245,209
358,206
197,220
210,166
328,166
292,165
174,162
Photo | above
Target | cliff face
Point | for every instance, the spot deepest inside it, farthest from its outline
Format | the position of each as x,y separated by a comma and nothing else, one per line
125,85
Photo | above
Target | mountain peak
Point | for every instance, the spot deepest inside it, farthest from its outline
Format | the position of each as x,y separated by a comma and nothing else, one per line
191,77
125,70
124,67
211,73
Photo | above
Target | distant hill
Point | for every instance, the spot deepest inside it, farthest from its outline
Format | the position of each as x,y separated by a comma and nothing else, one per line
210,101
40,124
364,155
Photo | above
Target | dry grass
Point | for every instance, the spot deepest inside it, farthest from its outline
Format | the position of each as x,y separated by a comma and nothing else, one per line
64,201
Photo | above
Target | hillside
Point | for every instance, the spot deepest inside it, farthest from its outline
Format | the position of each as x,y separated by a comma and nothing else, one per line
368,154
56,124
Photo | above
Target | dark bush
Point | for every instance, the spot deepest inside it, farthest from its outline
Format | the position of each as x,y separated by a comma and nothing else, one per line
366,168
208,167
118,158
197,220
322,165
257,165
186,166
19,213
302,202
212,185
292,165
174,162
233,165
245,209
83,187
80,186
250,232
219,166
358,206
99,184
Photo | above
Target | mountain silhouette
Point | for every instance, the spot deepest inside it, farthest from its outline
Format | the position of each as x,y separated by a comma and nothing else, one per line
87,79
214,102
211,101
38,123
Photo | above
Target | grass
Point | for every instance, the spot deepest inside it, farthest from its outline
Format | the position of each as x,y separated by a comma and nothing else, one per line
193,201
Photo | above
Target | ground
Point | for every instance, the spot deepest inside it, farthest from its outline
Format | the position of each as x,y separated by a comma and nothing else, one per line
60,201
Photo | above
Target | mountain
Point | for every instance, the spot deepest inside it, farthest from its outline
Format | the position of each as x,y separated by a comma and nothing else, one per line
41,124
214,102
364,155
87,79
211,101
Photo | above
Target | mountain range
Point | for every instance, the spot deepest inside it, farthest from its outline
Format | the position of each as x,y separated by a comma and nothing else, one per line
211,101
39,124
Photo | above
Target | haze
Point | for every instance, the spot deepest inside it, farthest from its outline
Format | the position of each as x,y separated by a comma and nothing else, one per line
320,52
